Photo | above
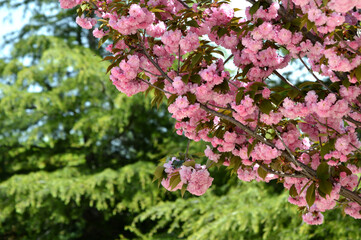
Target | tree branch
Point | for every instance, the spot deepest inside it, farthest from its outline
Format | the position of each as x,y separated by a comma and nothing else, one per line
162,90
286,81
269,170
184,4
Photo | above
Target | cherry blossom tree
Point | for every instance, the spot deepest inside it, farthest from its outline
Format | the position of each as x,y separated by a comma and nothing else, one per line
303,135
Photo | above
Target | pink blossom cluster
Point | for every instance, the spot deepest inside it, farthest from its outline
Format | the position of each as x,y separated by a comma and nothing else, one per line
206,100
249,174
70,3
171,7
313,215
245,110
196,178
139,18
265,14
211,155
124,77
221,15
156,30
86,23
264,153
290,138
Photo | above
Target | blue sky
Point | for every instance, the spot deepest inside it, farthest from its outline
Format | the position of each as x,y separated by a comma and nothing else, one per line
10,21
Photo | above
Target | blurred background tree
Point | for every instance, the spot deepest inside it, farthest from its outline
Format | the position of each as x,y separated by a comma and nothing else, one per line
77,157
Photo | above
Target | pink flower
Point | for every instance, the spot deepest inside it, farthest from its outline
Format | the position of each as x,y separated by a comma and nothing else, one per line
247,174
98,33
313,218
211,155
69,3
86,23
342,6
199,182
181,102
264,153
171,39
284,36
156,30
185,174
354,210
266,93
189,43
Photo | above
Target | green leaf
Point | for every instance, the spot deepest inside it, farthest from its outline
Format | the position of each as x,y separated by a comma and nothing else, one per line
310,25
183,190
196,59
172,98
192,23
251,147
158,173
310,195
221,32
235,163
269,136
156,10
329,146
283,51
255,86
293,191
190,163
322,171
254,8
102,40
196,78
342,168
246,69
346,82
262,173
266,106
239,97
174,181
325,186
191,97
221,88
358,73
292,93
185,78
307,83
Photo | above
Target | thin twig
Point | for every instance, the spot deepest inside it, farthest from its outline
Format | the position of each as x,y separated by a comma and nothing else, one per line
286,81
269,170
229,81
317,79
156,75
187,148
156,65
183,3
230,56
162,90
179,60
230,109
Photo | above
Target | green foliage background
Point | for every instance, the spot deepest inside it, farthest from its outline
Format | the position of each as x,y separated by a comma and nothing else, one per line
77,156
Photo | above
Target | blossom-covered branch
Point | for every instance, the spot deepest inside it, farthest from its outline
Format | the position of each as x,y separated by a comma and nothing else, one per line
305,135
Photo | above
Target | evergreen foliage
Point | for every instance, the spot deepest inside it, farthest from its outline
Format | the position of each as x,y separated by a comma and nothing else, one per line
73,150
246,211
